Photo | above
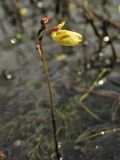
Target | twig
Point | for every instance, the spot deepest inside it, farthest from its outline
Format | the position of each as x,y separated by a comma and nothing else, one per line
106,33
107,19
103,93
99,16
90,20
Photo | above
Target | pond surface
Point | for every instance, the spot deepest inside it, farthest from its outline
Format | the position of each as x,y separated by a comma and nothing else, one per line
85,83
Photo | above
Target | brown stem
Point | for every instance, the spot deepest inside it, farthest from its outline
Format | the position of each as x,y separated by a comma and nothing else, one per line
114,54
99,15
43,58
90,20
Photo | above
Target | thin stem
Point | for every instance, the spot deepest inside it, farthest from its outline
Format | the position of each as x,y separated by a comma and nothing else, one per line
43,58
101,133
114,54
100,75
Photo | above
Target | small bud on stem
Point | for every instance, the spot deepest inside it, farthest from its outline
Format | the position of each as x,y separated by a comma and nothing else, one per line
45,20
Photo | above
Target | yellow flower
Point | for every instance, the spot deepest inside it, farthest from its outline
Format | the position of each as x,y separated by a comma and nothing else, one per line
65,37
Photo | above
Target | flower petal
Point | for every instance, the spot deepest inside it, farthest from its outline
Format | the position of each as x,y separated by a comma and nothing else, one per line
70,41
61,25
67,38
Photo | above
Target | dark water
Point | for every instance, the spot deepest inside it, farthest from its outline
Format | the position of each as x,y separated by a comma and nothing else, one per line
86,130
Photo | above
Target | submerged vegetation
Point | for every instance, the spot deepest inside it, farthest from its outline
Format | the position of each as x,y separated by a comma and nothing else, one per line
77,115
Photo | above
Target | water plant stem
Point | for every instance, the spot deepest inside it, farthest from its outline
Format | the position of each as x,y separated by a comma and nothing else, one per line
43,58
100,75
99,133
89,90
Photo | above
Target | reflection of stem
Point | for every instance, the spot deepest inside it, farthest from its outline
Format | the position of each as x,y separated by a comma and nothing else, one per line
43,58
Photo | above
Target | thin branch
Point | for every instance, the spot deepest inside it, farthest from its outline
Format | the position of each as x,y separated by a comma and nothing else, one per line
110,41
98,15
103,93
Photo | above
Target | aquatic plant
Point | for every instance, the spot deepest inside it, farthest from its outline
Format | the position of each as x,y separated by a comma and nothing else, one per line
65,38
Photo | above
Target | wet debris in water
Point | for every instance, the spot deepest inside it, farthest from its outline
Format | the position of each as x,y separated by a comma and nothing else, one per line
6,75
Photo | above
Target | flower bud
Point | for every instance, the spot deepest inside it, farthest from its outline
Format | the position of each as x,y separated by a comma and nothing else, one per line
2,155
45,20
65,37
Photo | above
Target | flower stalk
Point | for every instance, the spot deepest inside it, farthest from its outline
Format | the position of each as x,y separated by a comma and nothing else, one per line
43,58
62,37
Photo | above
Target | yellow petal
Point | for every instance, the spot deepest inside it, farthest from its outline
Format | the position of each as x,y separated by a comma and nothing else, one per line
61,25
70,41
67,38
